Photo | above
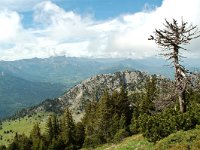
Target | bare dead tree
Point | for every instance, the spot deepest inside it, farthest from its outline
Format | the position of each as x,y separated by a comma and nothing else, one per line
171,39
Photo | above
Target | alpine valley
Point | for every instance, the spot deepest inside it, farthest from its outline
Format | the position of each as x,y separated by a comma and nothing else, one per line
28,82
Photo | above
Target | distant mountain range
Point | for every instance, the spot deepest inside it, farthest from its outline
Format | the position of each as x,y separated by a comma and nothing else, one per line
27,82
70,70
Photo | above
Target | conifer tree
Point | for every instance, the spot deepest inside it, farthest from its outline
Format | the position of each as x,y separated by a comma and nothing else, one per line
147,103
49,129
89,121
68,129
122,122
55,126
79,134
124,105
104,113
20,142
35,132
35,137
114,127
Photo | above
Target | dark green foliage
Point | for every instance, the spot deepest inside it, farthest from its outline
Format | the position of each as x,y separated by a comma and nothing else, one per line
143,104
2,147
79,134
68,129
134,126
49,129
21,142
147,103
36,138
112,113
163,124
120,135
156,126
61,134
55,126
115,125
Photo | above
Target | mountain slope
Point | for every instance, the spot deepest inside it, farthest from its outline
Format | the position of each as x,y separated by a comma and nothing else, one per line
92,89
17,93
135,142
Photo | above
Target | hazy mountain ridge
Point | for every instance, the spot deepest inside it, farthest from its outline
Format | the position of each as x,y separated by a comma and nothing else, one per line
17,93
71,70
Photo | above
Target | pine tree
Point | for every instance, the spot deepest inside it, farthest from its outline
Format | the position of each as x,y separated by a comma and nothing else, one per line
104,121
134,126
35,132
68,129
90,111
79,135
97,127
49,129
122,122
123,106
35,137
104,113
147,104
89,121
55,126
114,125
20,142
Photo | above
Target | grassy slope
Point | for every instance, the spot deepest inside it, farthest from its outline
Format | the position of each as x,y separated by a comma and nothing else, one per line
181,140
21,126
134,142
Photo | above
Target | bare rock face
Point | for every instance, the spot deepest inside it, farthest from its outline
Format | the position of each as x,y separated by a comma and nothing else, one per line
92,88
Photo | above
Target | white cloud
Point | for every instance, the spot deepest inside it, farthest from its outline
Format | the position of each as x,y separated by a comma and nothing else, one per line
18,5
66,33
9,25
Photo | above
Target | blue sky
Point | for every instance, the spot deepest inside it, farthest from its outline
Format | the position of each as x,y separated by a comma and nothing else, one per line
98,9
89,28
104,9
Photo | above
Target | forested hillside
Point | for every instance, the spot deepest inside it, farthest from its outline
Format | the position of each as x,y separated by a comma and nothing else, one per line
113,117
17,93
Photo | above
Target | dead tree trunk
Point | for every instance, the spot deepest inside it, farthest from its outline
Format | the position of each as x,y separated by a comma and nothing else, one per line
182,102
180,80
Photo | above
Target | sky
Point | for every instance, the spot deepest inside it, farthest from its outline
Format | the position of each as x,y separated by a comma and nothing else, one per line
89,28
